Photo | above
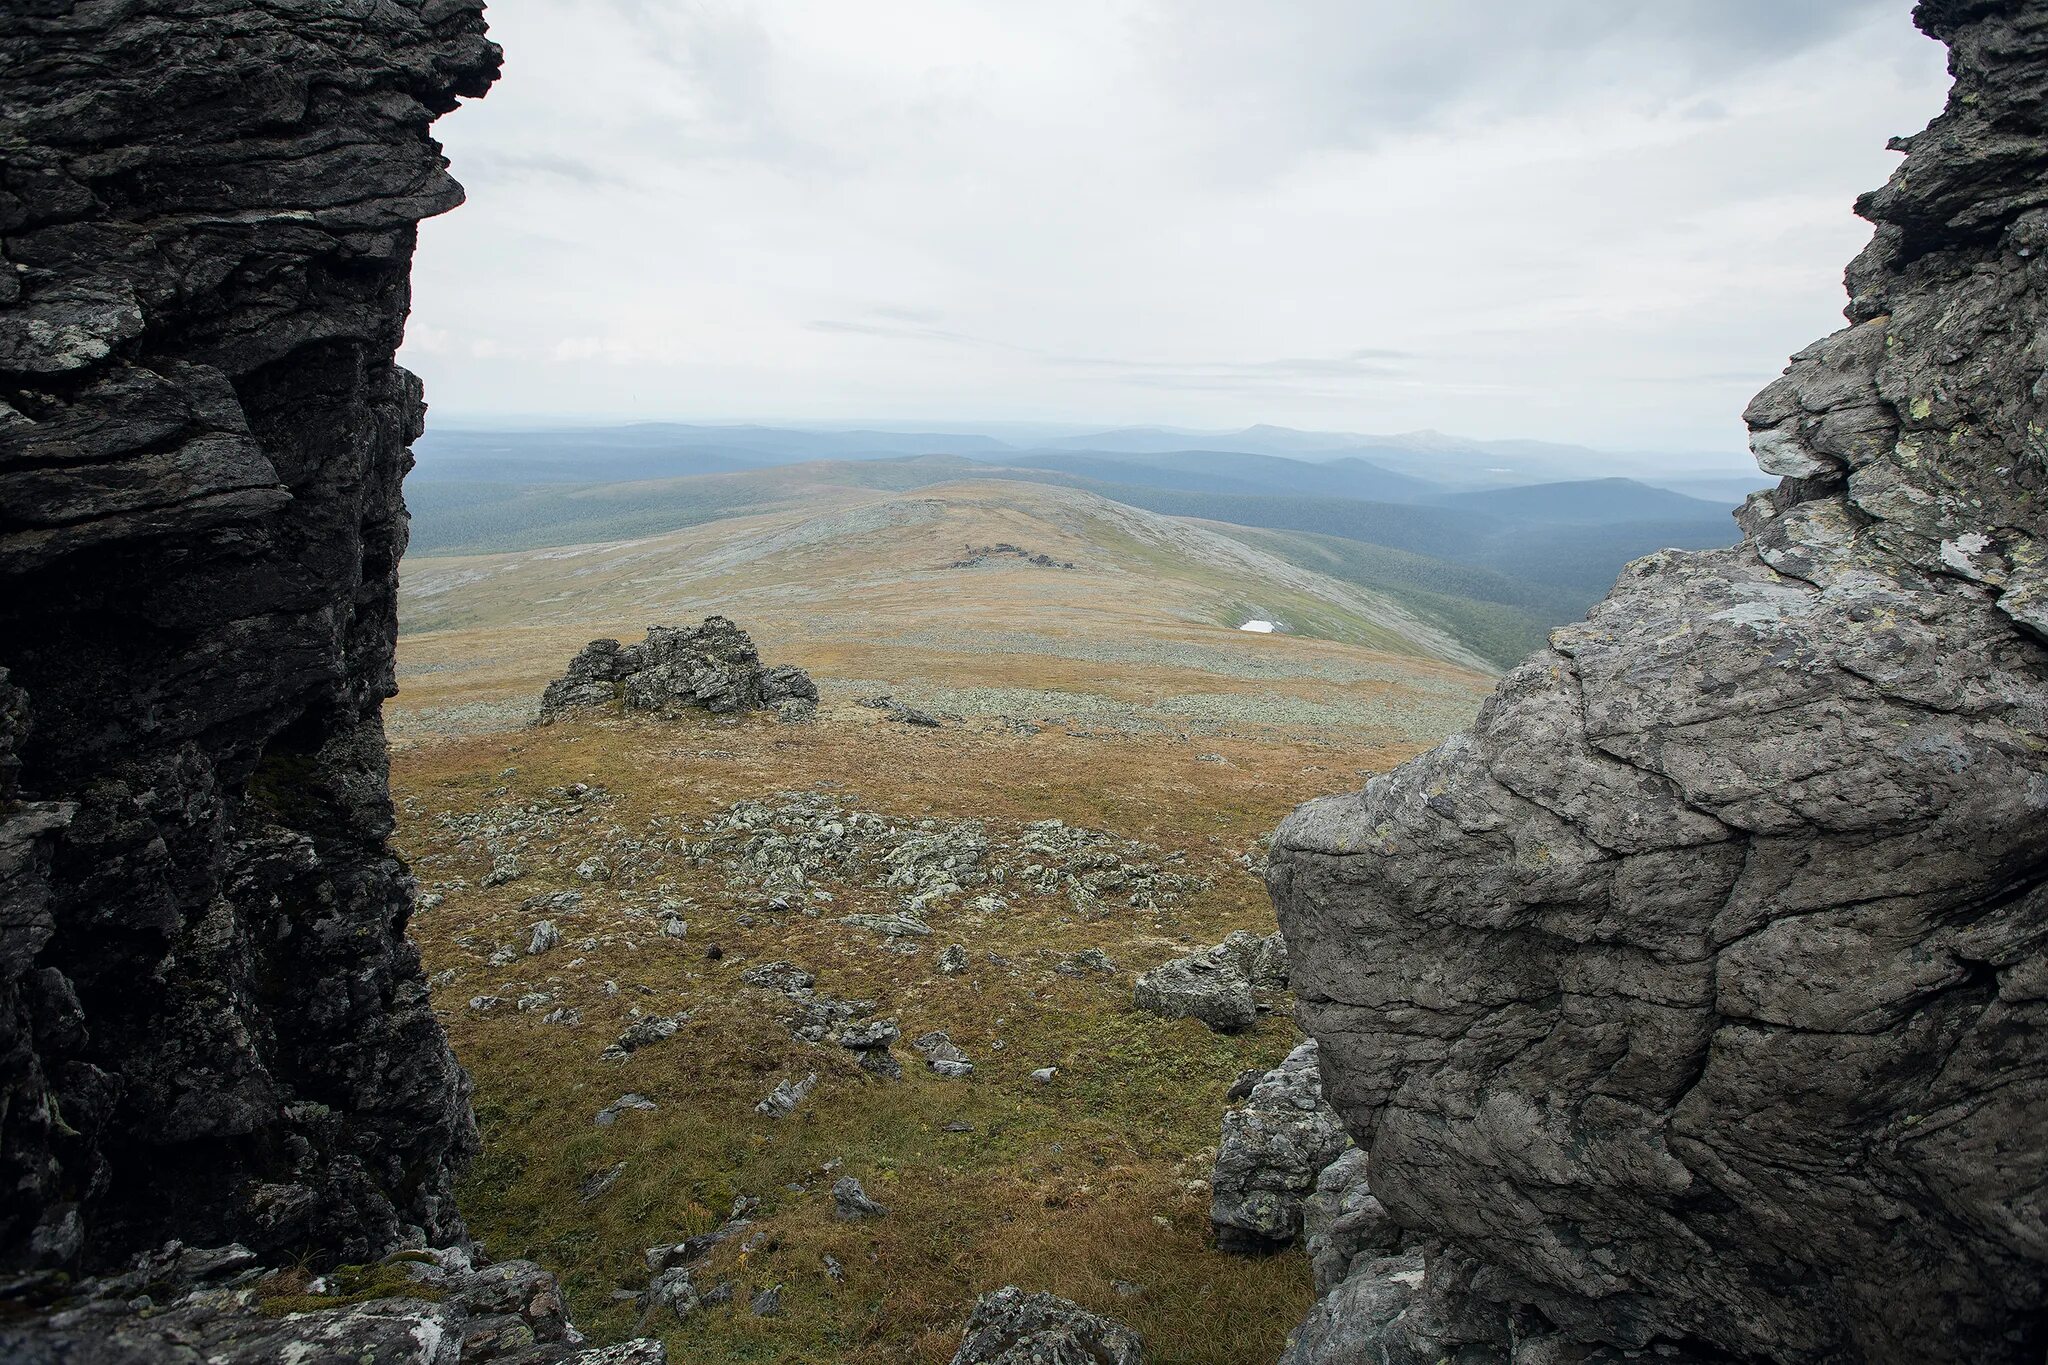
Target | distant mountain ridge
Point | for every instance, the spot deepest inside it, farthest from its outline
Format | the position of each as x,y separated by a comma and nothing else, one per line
1403,467
1495,568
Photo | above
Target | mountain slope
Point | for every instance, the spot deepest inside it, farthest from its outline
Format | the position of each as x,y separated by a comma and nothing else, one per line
1230,471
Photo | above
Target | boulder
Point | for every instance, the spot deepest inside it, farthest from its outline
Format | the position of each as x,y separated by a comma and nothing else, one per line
1196,987
1697,991
713,667
1011,1327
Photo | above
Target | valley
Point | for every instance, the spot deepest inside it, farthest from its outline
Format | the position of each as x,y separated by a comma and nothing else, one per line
1110,750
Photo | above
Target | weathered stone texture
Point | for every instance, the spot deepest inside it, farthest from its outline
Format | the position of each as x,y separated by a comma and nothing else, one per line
210,1023
1700,992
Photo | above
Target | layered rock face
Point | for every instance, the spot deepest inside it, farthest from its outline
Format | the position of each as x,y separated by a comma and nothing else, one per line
1699,995
210,1023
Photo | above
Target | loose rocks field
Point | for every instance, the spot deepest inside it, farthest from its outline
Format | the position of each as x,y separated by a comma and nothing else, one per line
712,963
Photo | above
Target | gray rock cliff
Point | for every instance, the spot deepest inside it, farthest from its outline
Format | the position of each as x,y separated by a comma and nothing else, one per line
211,1026
1698,995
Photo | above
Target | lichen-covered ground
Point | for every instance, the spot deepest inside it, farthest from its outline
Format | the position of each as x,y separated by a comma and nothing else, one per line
1090,1186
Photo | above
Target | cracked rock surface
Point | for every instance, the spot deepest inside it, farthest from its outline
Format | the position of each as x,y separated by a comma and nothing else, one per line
1698,993
211,1026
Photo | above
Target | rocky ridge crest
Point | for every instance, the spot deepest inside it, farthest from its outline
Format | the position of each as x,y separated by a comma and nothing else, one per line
1695,998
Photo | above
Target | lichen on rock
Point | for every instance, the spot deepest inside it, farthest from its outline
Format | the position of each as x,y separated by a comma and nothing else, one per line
1696,995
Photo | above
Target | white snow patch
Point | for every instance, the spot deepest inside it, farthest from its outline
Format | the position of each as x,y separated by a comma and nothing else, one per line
1258,627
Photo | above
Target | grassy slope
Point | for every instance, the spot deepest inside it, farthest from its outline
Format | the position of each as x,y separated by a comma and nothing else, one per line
1072,1187
1498,617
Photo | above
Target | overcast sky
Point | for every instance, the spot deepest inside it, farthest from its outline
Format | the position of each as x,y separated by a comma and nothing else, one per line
1577,220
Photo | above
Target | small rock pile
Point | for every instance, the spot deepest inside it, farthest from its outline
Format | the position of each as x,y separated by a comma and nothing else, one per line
1221,986
713,667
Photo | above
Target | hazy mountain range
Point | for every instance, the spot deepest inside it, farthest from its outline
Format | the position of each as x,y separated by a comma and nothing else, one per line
1491,542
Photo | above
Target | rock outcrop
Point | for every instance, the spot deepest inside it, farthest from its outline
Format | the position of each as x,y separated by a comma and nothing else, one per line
1011,1327
182,1304
1221,986
211,1026
713,667
1699,994
1269,1154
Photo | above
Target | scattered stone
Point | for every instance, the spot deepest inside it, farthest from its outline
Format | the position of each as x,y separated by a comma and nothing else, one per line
952,960
1045,1074
545,936
1219,985
713,667
483,1004
609,1115
505,868
868,1035
532,1000
1088,960
804,837
594,869
717,1296
644,1033
889,926
597,1182
834,1271
786,977
552,902
767,1303
673,927
563,1014
850,1203
674,1291
942,1055
959,1126
1010,1327
428,900
504,957
1260,960
911,715
1270,1154
782,1101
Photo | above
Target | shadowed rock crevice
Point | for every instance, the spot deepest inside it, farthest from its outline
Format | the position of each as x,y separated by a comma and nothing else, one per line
1696,995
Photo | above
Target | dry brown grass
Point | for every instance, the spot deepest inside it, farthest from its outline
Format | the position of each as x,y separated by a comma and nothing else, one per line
1082,1187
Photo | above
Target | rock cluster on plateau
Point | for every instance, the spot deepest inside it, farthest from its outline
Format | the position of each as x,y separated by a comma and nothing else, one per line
713,667
1697,999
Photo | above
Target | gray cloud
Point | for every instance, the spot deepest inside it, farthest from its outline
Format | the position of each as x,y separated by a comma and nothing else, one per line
1576,220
